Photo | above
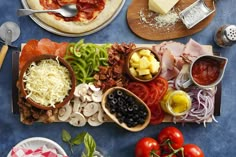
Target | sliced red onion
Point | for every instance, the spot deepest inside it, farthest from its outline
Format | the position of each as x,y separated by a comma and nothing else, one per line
202,106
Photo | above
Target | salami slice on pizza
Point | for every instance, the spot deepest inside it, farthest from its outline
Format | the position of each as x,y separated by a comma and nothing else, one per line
91,14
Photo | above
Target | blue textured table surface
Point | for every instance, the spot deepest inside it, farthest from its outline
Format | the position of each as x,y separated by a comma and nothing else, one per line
216,140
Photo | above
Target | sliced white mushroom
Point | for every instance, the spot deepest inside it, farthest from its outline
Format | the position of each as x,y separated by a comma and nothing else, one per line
93,120
81,90
100,114
90,109
93,88
77,119
97,96
83,98
88,98
77,104
65,112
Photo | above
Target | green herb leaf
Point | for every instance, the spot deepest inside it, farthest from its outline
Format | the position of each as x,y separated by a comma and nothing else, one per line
66,137
90,145
78,139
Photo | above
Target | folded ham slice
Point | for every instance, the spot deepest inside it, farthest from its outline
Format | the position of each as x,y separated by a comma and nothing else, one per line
174,55
193,49
170,55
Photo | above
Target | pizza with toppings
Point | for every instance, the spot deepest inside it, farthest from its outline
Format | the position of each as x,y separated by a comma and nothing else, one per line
91,14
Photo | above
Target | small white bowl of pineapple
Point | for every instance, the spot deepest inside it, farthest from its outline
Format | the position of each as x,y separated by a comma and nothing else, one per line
143,64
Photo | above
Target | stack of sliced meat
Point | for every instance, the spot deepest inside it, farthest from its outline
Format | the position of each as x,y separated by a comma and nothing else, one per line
174,55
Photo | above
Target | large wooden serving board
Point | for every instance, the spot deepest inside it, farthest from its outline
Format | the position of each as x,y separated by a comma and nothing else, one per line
15,71
177,30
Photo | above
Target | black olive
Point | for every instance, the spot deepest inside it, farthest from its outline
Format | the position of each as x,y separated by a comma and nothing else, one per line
119,115
136,116
110,96
141,121
114,101
135,107
119,93
130,108
112,110
121,119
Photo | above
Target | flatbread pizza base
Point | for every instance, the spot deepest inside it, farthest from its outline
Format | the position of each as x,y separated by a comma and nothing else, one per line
76,27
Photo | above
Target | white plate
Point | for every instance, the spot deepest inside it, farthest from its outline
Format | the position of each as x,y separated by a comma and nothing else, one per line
56,31
37,142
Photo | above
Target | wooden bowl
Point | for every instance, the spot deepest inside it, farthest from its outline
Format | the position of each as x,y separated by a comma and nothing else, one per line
128,65
36,60
136,128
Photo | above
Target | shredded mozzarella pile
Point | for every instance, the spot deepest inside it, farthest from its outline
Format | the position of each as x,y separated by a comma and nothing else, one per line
47,82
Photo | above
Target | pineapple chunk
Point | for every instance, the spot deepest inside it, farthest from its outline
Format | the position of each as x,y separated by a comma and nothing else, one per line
135,57
133,72
147,77
151,58
134,64
142,72
144,52
154,67
144,63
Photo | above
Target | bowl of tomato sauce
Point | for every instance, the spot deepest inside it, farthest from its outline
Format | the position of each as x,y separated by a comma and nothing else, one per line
208,70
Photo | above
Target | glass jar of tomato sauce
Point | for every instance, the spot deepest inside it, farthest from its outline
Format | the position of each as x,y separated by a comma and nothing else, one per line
176,102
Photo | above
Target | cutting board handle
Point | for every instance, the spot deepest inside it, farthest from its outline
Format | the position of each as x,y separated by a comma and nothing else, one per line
3,54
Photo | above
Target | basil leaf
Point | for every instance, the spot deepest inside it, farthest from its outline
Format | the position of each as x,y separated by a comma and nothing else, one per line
90,145
66,137
78,139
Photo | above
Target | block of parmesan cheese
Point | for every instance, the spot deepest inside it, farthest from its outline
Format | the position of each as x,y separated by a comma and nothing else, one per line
161,6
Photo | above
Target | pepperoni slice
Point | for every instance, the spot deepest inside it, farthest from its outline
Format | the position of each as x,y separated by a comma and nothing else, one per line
28,51
61,49
46,46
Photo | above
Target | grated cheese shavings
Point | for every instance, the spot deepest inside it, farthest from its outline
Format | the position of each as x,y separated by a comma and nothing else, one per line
158,20
47,82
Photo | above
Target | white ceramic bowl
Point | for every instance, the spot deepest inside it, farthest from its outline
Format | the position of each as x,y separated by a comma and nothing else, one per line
37,142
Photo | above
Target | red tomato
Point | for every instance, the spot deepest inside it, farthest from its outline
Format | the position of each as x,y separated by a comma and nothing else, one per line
157,114
147,147
162,85
192,150
153,94
174,135
139,89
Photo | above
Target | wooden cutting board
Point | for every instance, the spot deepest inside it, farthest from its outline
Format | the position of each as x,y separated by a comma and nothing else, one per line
177,30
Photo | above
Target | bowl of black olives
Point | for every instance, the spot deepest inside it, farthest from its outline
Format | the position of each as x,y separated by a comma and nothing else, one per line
126,109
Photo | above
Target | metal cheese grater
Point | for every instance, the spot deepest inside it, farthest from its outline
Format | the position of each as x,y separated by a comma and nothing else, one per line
195,13
225,35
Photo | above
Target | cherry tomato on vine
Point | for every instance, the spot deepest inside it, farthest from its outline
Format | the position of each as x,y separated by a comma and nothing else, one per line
147,147
192,150
173,135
